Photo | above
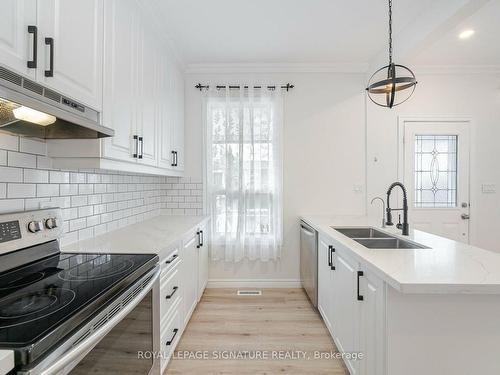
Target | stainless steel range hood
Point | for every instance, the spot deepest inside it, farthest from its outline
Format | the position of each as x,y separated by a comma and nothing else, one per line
30,109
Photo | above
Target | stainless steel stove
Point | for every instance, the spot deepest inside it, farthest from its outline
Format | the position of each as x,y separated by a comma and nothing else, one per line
56,307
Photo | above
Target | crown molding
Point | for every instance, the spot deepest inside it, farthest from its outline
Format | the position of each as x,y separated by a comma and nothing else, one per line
456,69
221,68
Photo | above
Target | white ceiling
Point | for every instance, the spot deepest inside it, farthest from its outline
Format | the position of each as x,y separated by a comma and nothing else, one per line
282,31
483,48
323,31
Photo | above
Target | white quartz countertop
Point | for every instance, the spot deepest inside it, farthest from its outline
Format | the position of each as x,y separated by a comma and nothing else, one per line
447,267
152,236
6,361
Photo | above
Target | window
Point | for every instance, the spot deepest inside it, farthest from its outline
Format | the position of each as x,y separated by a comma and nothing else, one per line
436,171
244,173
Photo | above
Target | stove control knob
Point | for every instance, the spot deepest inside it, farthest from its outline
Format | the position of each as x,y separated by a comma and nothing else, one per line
51,223
35,226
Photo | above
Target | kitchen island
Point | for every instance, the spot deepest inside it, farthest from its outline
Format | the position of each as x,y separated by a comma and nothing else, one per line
408,308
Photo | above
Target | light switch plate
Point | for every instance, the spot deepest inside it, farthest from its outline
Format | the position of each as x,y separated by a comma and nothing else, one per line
489,188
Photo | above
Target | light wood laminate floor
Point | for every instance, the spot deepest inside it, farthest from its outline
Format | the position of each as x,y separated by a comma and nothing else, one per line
279,320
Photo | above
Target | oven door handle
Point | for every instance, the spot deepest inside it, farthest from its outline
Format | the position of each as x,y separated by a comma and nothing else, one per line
86,345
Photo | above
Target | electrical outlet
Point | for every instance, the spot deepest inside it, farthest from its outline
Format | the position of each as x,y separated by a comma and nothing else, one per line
489,188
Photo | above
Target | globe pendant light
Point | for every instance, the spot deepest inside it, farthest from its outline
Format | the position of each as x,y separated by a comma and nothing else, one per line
392,84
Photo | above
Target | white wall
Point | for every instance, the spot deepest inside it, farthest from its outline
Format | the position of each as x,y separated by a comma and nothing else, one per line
324,156
474,95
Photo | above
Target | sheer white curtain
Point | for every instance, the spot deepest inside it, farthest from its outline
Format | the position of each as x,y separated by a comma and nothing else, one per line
244,172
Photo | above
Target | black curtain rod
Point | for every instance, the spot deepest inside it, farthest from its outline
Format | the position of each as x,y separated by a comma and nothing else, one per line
287,87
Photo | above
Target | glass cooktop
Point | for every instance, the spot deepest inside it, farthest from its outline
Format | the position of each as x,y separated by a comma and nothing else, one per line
43,301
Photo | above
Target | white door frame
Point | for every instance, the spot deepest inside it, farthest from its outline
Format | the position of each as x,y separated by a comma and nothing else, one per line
443,119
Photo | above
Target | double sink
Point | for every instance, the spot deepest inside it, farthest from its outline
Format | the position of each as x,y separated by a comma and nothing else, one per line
376,239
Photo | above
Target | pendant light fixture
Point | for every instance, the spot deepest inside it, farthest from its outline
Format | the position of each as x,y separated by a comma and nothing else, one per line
392,84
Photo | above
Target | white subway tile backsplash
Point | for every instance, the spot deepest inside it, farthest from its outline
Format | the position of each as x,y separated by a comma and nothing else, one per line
93,201
47,190
32,146
18,159
9,142
3,157
68,189
36,176
57,177
11,205
8,174
21,190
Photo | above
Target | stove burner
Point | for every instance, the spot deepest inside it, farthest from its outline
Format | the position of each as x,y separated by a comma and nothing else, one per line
97,268
22,281
26,306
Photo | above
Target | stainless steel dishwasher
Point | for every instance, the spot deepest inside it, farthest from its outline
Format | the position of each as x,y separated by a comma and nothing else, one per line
309,261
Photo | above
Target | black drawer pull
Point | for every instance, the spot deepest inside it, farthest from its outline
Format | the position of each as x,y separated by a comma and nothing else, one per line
33,30
202,236
199,239
360,297
168,261
331,250
50,42
174,289
169,342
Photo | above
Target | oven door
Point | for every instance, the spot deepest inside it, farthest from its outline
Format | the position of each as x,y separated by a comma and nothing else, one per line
121,339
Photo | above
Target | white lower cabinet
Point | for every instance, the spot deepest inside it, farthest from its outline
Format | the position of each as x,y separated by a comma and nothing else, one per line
184,276
351,302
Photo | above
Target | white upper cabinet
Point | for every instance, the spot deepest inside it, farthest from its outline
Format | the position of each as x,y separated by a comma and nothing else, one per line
17,43
71,46
120,79
178,118
149,91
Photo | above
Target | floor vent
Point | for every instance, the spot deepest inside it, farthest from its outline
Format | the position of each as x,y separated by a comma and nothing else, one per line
249,292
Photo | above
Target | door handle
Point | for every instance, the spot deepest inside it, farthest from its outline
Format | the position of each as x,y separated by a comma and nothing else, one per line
136,139
331,250
465,216
360,297
329,257
50,42
169,342
173,159
168,261
199,239
141,140
176,158
202,238
33,30
174,289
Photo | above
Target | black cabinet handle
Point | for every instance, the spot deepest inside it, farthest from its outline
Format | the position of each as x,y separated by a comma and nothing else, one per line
171,259
173,159
174,289
33,30
141,140
199,239
50,42
331,250
329,256
169,342
202,242
360,297
136,143
176,158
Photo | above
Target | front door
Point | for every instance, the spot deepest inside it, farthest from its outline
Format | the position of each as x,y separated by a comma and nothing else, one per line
436,172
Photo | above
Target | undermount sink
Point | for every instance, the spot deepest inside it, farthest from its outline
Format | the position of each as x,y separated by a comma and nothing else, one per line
376,239
362,232
388,243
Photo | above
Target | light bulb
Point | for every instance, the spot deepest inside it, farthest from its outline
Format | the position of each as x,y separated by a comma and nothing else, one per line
34,116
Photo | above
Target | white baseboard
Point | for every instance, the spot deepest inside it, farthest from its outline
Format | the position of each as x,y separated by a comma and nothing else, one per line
254,283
